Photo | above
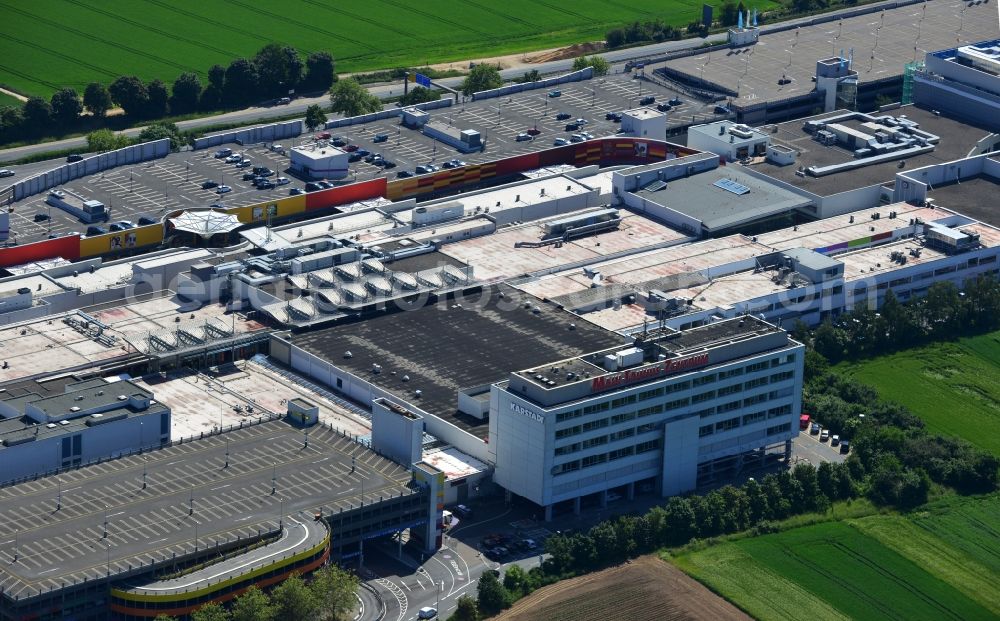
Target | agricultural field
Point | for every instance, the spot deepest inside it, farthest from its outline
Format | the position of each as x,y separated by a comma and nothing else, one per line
647,589
49,44
936,564
953,387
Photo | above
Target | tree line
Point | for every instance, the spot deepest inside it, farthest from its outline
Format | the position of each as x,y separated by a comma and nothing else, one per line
328,596
271,73
893,462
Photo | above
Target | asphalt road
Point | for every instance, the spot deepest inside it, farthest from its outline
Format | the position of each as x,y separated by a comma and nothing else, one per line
616,57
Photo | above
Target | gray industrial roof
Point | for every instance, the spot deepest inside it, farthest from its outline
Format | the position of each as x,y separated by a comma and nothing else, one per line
455,344
719,209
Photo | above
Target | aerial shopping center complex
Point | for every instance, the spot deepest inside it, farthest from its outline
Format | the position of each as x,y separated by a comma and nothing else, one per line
210,398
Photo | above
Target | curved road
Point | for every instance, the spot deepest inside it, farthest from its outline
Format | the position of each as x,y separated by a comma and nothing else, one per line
253,114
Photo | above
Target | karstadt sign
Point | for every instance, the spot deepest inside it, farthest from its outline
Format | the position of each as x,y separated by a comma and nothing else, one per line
535,416
624,378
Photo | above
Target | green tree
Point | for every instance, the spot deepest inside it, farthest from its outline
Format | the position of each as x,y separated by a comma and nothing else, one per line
483,77
351,99
514,579
418,94
210,612
333,591
103,140
11,123
314,117
241,83
97,99
492,596
293,601
943,309
159,98
560,552
217,76
185,93
157,131
165,618
601,66
66,106
37,114
727,13
466,609
615,38
320,72
530,76
279,69
130,94
828,341
252,605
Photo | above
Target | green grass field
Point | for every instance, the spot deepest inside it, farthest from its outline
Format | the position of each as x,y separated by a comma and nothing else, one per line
953,387
6,100
48,44
943,563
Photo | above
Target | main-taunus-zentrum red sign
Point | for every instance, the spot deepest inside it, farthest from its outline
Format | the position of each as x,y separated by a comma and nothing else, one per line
631,376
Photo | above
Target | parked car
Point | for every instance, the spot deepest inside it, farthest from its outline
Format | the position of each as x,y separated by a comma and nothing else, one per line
534,131
249,176
208,184
326,185
645,101
6,172
581,121
834,440
282,181
576,138
296,191
610,115
572,127
312,186
223,189
372,157
217,206
232,159
221,153
351,148
284,101
388,163
404,174
338,141
76,157
814,429
721,110
323,136
664,107
427,612
422,170
380,138
555,93
523,137
845,446
462,511
41,216
115,227
824,435
95,230
244,164
587,135
277,148
562,116
558,142
266,184
363,152
676,101
145,220
453,164
354,157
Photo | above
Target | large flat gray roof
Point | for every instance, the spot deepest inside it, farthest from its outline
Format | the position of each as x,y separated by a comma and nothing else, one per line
66,546
455,344
755,70
719,209
976,197
957,139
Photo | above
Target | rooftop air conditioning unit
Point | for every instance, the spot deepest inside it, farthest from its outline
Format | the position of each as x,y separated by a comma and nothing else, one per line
122,397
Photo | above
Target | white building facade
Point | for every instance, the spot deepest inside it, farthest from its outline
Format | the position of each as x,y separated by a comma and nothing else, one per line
663,415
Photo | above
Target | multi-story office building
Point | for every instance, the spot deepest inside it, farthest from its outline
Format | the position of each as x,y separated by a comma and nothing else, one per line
664,413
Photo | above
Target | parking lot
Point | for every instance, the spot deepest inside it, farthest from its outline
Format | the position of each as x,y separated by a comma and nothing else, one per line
153,189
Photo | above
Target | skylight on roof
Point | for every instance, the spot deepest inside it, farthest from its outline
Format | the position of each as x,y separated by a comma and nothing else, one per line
732,186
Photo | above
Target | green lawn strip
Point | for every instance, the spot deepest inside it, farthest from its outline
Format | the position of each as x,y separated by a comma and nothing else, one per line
729,571
934,555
